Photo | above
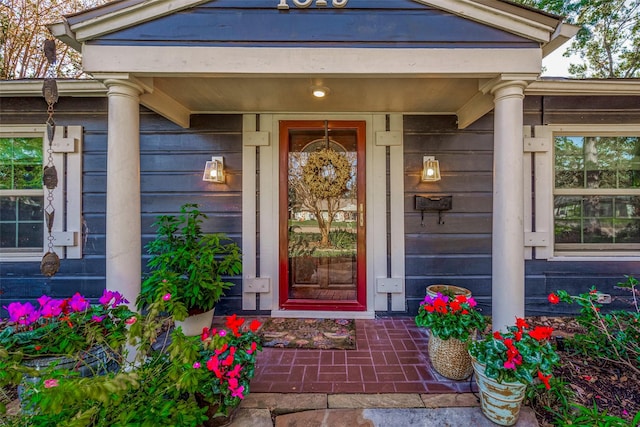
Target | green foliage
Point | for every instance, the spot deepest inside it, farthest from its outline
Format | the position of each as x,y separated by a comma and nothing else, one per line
608,43
187,264
181,381
559,395
450,317
342,239
582,416
613,336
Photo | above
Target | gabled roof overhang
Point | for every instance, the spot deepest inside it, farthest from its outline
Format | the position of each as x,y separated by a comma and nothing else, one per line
181,81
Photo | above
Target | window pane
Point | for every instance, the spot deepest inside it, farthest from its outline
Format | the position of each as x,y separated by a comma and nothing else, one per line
20,163
597,162
567,231
569,162
8,237
598,230
627,231
21,222
597,219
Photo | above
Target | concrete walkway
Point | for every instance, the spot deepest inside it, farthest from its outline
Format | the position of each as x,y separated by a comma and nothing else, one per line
366,410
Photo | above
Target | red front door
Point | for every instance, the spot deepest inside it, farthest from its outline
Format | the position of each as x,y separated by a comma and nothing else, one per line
322,216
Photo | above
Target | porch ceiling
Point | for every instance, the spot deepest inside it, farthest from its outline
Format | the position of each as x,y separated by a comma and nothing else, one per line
374,94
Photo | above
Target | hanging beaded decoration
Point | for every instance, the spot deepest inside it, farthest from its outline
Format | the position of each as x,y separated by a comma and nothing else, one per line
50,261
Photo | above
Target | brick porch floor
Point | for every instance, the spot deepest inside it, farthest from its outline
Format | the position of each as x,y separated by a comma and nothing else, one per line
391,357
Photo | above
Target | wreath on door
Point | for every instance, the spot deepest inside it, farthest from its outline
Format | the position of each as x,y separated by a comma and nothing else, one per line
327,173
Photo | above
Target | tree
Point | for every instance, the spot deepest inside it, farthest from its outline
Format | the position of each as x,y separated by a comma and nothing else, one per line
303,198
23,29
608,42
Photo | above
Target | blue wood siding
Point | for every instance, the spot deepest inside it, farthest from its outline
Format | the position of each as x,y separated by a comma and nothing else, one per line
458,252
172,160
362,23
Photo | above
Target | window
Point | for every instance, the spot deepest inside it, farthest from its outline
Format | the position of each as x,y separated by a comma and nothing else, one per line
22,195
23,199
597,192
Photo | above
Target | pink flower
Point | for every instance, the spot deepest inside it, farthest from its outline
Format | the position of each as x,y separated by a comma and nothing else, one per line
50,307
23,314
238,392
78,303
253,348
50,383
112,298
222,332
509,364
97,319
166,297
131,320
196,365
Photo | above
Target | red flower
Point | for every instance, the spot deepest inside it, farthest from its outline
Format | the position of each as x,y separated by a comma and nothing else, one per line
234,323
541,333
521,323
440,306
461,299
254,325
497,335
553,298
545,379
455,306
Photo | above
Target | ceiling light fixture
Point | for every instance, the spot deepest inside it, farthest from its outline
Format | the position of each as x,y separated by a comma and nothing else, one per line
319,91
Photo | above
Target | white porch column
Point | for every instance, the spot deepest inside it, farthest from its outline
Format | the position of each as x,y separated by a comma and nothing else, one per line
508,209
124,247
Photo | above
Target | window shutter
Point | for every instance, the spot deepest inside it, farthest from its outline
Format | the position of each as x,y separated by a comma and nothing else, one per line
67,196
538,192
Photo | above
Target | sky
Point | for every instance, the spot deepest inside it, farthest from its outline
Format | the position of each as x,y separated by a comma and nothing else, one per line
556,64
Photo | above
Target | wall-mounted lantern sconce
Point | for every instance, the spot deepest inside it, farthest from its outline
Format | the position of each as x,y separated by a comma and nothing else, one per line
430,169
214,170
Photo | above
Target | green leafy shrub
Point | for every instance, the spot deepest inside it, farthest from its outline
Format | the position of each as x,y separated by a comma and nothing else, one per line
188,264
613,336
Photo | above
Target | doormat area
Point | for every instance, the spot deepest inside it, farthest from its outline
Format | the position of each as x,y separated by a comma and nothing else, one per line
326,334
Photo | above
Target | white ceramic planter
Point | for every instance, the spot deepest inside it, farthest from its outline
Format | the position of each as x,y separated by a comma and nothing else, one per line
192,325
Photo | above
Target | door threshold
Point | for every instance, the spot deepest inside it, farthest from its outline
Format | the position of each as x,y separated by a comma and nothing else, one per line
315,314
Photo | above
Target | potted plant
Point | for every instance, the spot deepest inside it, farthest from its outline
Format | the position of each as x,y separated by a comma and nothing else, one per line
172,380
448,290
225,366
189,265
71,334
452,322
505,363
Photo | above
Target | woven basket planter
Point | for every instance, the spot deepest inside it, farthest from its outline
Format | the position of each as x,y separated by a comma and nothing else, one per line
450,358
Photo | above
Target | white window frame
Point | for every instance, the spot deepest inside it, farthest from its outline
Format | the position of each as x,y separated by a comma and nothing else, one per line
67,196
541,146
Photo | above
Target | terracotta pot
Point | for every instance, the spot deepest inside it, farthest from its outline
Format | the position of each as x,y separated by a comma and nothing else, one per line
192,325
450,358
433,290
500,402
215,419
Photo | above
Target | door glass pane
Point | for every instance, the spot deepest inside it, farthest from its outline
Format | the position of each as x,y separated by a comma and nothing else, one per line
322,214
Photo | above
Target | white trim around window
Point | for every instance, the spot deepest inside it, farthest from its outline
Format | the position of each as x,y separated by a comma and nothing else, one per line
67,196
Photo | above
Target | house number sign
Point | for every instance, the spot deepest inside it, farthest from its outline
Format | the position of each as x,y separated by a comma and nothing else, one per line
301,4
